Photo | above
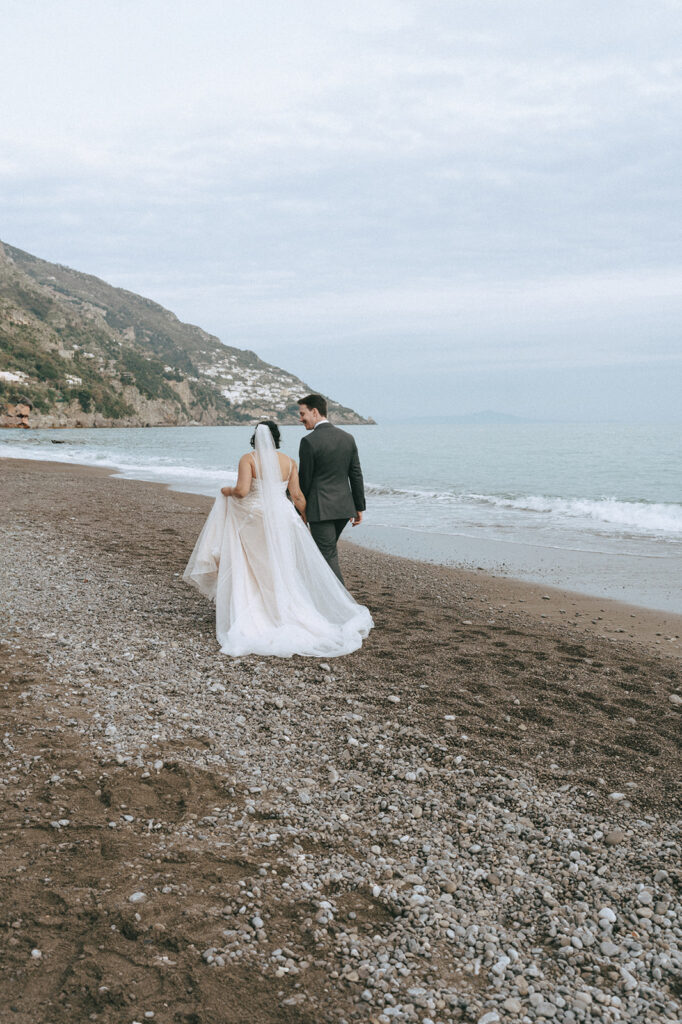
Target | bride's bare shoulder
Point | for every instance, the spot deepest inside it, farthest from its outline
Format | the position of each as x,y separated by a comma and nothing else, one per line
247,464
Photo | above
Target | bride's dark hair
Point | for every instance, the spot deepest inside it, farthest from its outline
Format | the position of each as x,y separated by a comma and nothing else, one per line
274,430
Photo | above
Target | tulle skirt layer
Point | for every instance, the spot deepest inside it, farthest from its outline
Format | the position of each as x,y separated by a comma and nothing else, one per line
273,596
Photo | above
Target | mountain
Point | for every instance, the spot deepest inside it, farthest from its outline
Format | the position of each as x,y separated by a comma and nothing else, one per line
87,354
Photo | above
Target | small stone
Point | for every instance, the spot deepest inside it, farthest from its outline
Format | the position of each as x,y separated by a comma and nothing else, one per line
256,922
417,811
501,966
614,837
608,948
394,698
137,897
36,954
367,996
305,797
325,667
606,914
491,1017
675,699
629,982
645,897
512,1005
616,797
545,1009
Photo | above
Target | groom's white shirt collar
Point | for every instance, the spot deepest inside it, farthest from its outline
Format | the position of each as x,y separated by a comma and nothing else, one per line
319,422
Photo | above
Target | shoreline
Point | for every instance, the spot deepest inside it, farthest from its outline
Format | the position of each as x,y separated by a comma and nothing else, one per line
622,548
199,837
603,617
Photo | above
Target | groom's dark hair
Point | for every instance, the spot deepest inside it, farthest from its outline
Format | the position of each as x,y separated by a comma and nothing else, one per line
318,402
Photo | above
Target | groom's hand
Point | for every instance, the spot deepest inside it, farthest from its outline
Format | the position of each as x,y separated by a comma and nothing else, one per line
357,519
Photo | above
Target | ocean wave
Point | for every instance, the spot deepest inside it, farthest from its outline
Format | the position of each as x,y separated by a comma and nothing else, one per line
165,472
175,472
638,516
412,492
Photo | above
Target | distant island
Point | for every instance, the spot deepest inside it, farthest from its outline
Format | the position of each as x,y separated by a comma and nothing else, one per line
77,352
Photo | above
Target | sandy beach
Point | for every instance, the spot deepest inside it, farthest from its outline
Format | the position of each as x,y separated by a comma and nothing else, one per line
475,817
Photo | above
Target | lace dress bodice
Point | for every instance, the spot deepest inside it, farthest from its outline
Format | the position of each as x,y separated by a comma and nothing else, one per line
253,501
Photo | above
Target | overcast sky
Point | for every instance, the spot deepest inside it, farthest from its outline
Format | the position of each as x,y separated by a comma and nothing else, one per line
418,207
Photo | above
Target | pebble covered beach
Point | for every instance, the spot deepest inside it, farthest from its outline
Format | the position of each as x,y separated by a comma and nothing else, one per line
474,818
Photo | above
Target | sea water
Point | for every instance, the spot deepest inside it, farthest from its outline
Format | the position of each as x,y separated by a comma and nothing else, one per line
595,508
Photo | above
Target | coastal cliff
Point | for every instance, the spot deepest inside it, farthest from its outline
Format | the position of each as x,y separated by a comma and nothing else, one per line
79,352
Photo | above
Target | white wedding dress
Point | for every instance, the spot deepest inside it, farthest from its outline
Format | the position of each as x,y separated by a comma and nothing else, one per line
274,593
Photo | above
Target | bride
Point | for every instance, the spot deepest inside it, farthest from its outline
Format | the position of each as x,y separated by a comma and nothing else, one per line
274,593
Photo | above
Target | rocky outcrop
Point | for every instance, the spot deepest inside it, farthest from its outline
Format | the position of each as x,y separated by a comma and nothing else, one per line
17,415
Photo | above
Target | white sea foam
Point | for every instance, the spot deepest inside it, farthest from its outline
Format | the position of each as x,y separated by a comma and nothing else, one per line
637,516
162,471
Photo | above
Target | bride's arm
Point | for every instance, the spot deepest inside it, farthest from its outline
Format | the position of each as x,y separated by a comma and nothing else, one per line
295,491
244,478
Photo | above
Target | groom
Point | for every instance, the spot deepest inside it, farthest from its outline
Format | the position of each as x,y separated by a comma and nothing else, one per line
330,476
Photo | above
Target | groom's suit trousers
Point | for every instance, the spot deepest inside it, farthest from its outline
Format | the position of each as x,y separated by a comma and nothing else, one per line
326,534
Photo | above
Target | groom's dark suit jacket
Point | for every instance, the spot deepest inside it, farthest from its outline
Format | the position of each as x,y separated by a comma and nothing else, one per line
330,474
